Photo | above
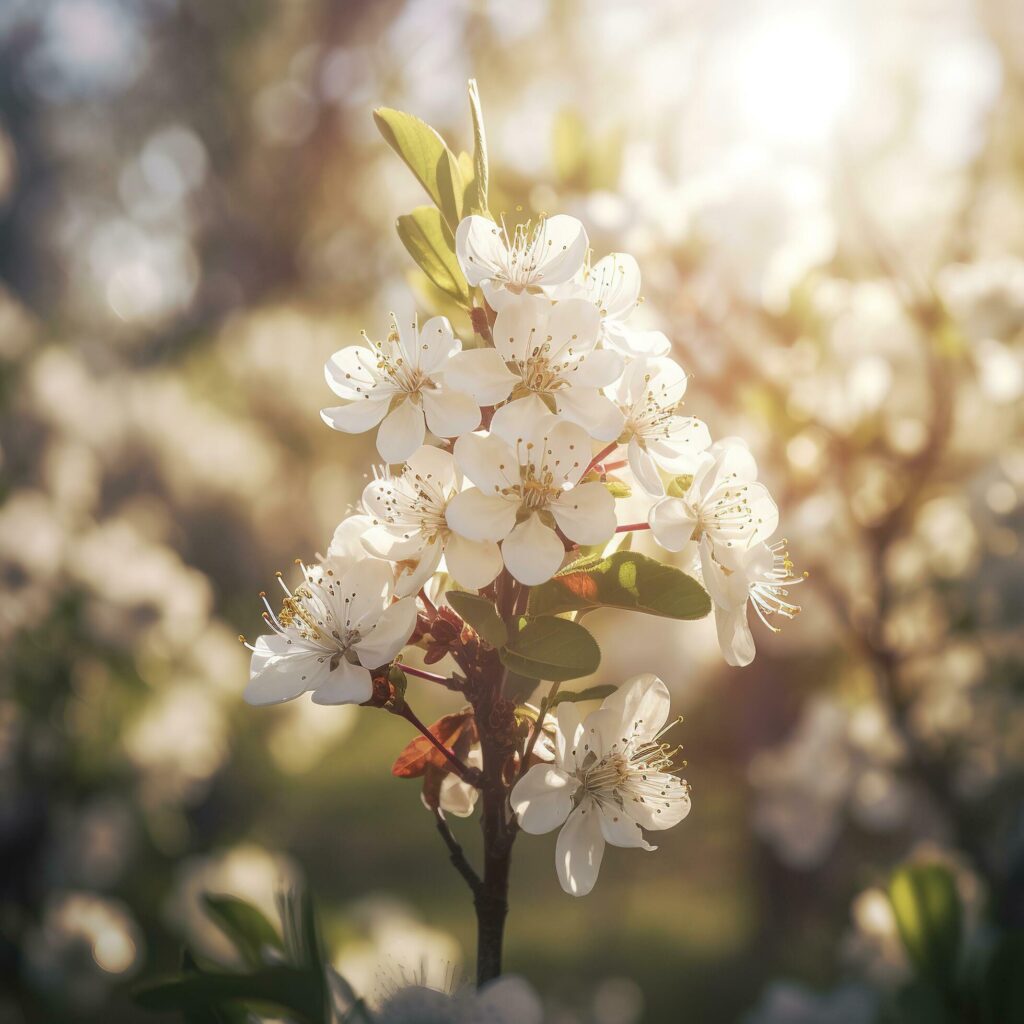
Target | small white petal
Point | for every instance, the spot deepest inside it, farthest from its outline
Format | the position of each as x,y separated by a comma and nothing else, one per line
579,849
561,247
533,552
281,671
481,373
402,432
478,516
592,410
643,704
672,523
542,798
521,420
618,828
487,461
434,345
645,469
586,513
472,563
346,684
357,416
450,413
480,247
389,634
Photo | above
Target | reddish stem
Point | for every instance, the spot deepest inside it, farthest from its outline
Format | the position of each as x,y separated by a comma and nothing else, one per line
431,676
630,527
599,457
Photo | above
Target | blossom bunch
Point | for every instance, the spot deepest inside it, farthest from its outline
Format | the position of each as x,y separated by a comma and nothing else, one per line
491,527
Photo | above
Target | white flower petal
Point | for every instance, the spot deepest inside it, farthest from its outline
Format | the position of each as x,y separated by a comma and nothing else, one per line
352,373
346,544
586,513
414,575
481,373
435,343
346,684
402,432
521,420
521,326
362,592
280,671
560,248
472,563
672,523
615,282
436,465
579,849
458,797
450,413
734,636
568,735
480,247
664,811
592,410
565,447
596,369
636,343
645,469
542,798
487,461
643,704
389,635
532,552
478,516
356,417
618,828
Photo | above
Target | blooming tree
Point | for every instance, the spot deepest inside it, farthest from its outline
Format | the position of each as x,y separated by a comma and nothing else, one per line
492,530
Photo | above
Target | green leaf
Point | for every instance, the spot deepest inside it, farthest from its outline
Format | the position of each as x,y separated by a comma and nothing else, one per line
552,649
590,693
397,678
289,988
427,156
623,579
927,908
429,241
480,171
245,925
481,615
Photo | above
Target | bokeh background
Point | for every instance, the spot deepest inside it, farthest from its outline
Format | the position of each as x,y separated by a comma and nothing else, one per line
827,202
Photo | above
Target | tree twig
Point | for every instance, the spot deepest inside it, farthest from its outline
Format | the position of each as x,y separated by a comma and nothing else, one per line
455,851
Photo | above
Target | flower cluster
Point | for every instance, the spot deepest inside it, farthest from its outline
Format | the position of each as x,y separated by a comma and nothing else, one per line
499,453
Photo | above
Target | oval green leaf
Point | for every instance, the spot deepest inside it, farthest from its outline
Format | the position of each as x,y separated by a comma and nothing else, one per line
624,579
553,649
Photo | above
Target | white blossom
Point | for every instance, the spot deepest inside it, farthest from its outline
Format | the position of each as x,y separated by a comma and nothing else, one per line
534,257
399,383
612,777
546,349
613,286
527,471
649,393
334,627
408,525
724,503
760,575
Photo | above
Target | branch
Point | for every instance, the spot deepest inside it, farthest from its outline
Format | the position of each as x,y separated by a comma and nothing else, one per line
458,857
433,677
464,772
